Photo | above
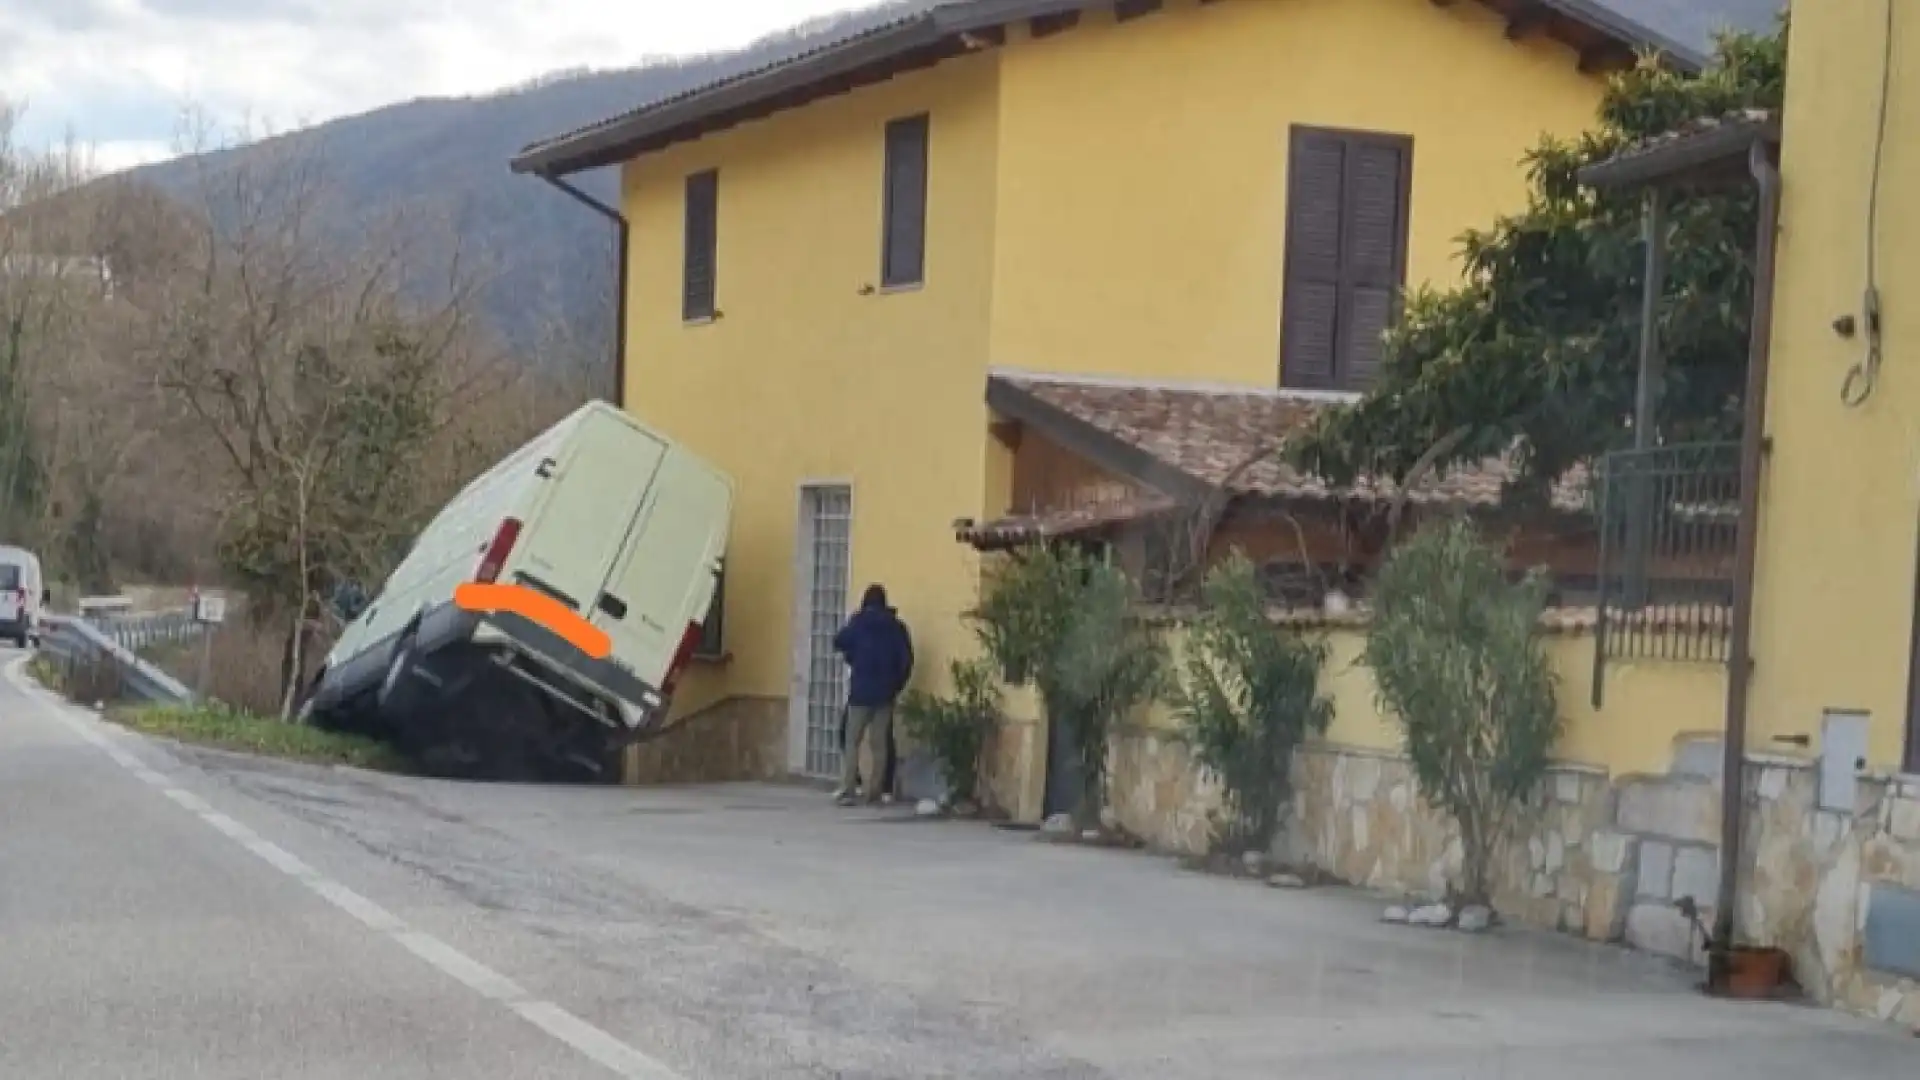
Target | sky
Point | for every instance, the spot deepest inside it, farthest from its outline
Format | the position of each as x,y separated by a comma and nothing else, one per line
118,75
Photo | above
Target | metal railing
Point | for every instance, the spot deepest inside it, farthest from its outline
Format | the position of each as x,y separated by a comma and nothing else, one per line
99,658
1667,518
142,631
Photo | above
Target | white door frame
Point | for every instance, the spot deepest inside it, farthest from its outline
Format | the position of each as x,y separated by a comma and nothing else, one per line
800,655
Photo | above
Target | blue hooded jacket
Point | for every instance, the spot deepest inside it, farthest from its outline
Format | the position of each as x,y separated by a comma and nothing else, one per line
878,649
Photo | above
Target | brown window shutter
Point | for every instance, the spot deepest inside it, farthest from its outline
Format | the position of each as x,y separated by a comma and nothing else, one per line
700,271
1347,195
903,255
1376,252
1310,302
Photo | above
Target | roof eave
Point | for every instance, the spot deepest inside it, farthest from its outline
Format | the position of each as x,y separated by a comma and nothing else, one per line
1706,159
1606,21
612,143
881,50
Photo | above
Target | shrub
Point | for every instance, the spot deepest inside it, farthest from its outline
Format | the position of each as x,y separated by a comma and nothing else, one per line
955,728
1064,621
1248,696
1457,656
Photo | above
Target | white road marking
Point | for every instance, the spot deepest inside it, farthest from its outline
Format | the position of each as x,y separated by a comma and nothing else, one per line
616,1056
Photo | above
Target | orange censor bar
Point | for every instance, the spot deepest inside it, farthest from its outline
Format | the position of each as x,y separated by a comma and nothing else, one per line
541,608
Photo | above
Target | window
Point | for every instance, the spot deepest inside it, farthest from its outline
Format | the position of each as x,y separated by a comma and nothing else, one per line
703,232
903,252
1346,260
713,639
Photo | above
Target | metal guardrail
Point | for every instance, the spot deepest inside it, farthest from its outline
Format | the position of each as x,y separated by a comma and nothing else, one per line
104,652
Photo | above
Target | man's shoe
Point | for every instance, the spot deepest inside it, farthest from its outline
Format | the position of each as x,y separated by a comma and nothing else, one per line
887,799
846,800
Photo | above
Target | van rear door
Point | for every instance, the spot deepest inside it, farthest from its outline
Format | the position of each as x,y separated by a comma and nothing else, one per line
13,595
592,492
664,578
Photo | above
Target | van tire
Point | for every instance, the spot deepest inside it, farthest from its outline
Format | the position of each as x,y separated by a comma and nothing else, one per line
398,696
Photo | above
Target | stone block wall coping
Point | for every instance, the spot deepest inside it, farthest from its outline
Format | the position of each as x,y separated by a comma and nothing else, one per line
1352,750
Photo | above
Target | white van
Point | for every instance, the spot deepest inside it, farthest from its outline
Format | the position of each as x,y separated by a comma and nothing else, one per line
23,595
616,522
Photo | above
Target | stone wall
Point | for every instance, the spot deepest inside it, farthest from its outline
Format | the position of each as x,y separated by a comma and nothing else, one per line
1838,889
1358,816
1013,780
1155,793
1606,859
739,738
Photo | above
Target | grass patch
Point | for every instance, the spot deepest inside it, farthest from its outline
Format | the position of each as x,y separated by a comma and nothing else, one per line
47,673
224,728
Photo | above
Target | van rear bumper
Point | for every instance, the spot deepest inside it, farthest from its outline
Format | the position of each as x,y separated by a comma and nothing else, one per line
565,659
450,626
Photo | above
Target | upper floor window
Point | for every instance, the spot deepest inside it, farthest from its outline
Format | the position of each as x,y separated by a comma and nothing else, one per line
1346,258
698,271
903,252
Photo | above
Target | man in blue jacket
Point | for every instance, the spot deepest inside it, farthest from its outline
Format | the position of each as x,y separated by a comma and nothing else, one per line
878,648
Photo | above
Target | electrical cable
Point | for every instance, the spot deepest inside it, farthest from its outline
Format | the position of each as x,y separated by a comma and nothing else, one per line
1864,375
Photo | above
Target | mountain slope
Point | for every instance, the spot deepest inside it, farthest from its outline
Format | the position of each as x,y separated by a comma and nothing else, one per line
547,261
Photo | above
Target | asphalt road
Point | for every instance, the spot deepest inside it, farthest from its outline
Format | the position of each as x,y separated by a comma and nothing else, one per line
172,912
139,940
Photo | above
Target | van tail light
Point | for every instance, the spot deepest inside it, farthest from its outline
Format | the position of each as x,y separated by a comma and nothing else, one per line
497,551
682,656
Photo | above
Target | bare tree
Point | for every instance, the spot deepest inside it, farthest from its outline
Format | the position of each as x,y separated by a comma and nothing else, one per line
41,277
330,384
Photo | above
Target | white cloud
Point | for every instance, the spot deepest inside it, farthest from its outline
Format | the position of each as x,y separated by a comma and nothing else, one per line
118,73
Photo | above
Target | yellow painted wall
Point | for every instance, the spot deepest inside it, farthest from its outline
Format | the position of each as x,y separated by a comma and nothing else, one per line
1143,166
804,378
1839,506
1648,708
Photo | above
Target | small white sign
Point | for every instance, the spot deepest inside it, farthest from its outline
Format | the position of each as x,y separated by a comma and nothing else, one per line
210,608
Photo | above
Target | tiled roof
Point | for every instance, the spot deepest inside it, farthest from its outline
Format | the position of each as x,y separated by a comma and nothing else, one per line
1210,433
1683,29
1020,529
1698,146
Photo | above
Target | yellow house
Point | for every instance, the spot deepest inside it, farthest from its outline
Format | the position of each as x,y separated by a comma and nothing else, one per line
1834,632
831,254
1822,858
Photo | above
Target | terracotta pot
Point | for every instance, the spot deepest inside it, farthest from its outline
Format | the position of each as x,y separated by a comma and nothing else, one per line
1755,972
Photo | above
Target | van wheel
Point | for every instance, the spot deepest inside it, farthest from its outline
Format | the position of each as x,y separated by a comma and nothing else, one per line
399,695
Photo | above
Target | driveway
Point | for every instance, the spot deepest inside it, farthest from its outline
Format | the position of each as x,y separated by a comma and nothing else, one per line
759,931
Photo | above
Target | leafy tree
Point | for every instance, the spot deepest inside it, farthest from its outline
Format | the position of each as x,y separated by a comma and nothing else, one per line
1247,698
1537,351
1457,658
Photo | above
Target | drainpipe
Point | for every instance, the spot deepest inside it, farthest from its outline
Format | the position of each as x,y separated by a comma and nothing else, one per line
622,233
1753,449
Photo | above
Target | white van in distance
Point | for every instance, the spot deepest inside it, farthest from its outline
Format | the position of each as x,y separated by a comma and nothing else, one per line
23,594
621,527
